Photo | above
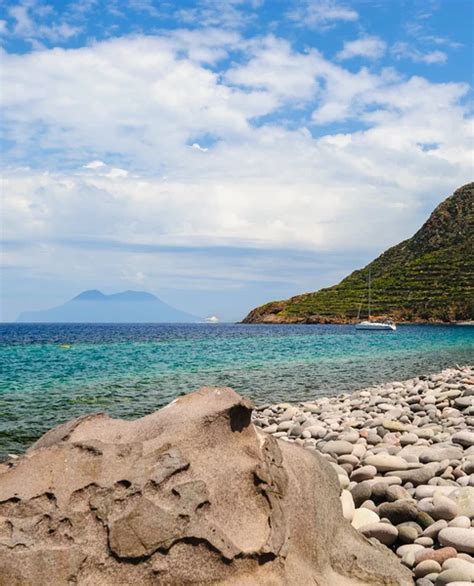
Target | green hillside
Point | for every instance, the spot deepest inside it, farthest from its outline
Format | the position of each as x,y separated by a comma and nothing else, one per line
429,277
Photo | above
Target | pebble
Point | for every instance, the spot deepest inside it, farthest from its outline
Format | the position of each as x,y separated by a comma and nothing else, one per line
348,506
383,532
443,508
363,473
426,567
464,498
458,537
464,437
439,555
338,447
386,463
454,575
399,511
433,530
461,521
403,453
363,517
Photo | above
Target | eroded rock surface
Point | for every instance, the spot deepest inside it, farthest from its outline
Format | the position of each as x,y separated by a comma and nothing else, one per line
192,494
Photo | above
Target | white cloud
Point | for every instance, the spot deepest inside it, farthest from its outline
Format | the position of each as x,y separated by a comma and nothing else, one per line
277,69
28,25
403,50
322,14
198,147
94,165
119,118
368,46
230,14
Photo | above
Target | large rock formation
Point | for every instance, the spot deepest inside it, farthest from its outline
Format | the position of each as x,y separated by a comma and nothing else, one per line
192,494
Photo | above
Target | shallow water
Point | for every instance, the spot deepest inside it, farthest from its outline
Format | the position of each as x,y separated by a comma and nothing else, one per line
129,370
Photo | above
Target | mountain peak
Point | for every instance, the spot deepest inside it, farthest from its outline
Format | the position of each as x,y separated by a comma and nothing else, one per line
132,296
126,306
90,295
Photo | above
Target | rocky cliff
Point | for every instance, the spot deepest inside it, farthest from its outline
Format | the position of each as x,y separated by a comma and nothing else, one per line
429,277
192,494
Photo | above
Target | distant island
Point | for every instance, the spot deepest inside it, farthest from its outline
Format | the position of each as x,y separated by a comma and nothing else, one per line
124,307
427,278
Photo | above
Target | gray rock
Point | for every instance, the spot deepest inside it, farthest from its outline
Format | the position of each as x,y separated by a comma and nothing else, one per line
443,508
454,575
364,517
427,567
348,506
461,539
361,492
385,462
337,447
436,454
464,438
433,530
383,532
363,473
399,511
417,476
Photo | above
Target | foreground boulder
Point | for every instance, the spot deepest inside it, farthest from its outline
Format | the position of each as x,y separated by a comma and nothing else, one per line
192,494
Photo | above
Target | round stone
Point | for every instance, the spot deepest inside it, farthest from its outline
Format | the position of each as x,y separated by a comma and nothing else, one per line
443,508
453,576
363,517
427,567
406,533
439,555
386,462
464,438
433,530
461,521
348,506
464,498
408,438
399,511
363,473
458,537
338,447
424,541
409,548
361,492
383,532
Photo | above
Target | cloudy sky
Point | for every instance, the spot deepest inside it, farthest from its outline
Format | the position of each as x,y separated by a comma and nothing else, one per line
223,153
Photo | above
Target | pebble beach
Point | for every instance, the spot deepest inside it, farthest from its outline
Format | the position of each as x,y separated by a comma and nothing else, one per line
404,456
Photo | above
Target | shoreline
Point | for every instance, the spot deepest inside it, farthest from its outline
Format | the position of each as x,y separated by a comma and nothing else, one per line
350,322
403,452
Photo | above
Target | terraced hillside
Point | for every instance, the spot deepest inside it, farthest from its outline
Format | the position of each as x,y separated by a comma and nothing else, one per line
429,277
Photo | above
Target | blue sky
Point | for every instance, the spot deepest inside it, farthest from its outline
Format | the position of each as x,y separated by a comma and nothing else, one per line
223,154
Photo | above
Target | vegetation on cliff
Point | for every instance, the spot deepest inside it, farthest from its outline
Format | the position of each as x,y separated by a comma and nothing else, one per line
429,277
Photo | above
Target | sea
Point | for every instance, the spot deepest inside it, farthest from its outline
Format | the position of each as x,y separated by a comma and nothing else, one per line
50,373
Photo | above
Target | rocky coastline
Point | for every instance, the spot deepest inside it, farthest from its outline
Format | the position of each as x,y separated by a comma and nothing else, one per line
404,456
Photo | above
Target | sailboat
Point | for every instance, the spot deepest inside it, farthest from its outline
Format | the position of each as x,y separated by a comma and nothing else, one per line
374,325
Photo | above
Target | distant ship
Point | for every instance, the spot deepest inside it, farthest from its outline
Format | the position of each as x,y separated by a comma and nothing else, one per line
212,319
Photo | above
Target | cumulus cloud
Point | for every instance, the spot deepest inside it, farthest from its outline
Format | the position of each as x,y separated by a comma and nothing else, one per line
29,24
368,46
404,50
114,135
322,14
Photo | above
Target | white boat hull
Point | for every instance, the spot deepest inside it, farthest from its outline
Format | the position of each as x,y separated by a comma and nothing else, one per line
374,325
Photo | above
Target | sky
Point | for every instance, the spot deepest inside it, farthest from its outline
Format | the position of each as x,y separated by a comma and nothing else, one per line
223,153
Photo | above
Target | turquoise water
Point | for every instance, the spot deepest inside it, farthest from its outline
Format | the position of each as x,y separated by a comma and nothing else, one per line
129,370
